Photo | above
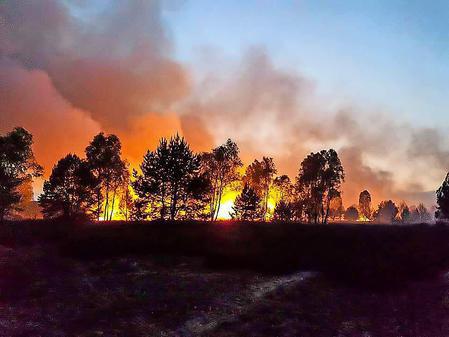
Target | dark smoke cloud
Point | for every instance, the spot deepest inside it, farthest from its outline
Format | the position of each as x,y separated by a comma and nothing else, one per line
114,65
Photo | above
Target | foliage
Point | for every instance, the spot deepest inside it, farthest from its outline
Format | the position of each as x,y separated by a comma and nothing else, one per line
259,175
284,211
283,189
319,180
443,199
69,192
221,168
17,166
386,212
365,204
351,213
404,213
104,158
336,209
247,205
166,178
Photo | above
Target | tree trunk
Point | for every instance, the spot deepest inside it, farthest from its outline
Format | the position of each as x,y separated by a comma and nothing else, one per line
106,205
163,202
113,203
220,195
213,210
174,201
98,203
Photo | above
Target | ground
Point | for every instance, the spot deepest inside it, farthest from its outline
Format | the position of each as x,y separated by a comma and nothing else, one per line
43,293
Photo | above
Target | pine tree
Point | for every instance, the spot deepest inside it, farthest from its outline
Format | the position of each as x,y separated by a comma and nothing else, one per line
247,205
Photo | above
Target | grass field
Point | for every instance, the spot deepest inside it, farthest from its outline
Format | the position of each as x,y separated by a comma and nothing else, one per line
223,279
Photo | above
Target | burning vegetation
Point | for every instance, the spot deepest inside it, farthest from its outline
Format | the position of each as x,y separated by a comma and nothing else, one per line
174,183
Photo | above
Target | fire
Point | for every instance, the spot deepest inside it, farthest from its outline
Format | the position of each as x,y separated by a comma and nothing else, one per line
227,203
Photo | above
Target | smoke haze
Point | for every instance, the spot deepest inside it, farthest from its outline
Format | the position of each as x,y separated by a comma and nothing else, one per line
65,77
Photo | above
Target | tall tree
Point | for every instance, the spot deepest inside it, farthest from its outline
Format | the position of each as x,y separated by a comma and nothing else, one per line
424,214
284,189
221,166
104,158
69,192
386,212
365,204
259,176
17,167
319,180
247,205
443,199
166,176
404,212
336,208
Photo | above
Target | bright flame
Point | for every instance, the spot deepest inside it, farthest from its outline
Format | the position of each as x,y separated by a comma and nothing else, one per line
227,202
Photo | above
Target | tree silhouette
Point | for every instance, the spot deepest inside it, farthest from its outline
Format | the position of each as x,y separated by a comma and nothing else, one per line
221,166
166,176
70,190
17,167
386,212
336,210
365,204
351,213
247,205
126,203
259,175
423,213
284,211
319,180
197,198
104,158
443,199
284,189
404,212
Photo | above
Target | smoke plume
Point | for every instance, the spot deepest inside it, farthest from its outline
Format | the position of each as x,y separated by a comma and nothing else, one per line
69,70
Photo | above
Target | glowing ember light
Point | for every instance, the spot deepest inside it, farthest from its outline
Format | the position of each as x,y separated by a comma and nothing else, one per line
363,218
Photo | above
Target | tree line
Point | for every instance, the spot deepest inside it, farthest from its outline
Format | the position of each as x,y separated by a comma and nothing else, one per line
175,183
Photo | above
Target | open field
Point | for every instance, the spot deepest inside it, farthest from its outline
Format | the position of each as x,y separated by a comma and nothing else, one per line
223,279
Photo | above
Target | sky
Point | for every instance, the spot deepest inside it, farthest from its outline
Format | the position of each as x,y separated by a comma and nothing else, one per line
366,51
281,78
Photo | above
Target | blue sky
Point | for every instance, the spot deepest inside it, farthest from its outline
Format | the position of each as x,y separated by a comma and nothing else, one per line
388,55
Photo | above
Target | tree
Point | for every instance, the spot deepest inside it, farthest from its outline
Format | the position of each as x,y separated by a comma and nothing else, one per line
17,167
284,211
69,192
126,203
423,214
336,208
259,175
166,176
284,189
197,198
404,212
104,158
247,205
319,180
386,212
443,199
365,205
221,166
351,213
